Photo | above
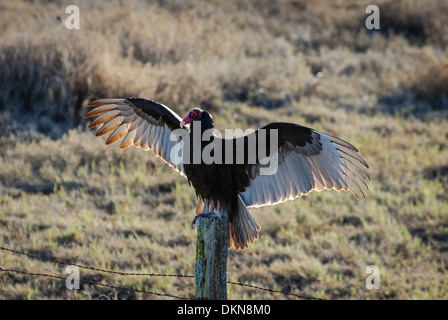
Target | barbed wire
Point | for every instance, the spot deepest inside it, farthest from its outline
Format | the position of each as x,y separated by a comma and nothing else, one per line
60,262
95,283
64,263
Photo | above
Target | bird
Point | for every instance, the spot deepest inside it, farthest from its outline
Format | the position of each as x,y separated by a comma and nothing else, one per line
305,159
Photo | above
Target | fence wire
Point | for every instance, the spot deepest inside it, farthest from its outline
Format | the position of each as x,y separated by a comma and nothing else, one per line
96,283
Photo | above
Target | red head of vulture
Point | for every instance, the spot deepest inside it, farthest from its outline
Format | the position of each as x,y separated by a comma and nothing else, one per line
234,181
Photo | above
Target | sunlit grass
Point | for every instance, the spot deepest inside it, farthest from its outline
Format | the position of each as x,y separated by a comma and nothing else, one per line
65,195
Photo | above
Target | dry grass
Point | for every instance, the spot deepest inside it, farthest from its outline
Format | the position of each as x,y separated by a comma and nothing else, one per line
65,195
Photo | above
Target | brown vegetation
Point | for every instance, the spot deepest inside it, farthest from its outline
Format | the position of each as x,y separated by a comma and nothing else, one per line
65,195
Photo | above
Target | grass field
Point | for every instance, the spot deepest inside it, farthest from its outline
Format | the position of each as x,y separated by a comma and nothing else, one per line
65,195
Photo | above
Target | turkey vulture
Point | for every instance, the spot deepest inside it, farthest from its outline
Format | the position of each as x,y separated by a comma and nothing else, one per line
306,160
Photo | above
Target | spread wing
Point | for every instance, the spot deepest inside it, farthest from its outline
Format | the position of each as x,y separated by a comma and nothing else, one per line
307,160
144,123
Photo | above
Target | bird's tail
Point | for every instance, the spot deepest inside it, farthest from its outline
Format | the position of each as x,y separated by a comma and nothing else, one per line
243,227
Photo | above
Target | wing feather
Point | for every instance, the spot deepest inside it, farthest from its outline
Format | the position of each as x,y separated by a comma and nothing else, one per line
100,110
117,134
146,138
290,173
144,123
313,161
155,139
104,118
139,133
128,140
135,124
280,178
165,143
109,126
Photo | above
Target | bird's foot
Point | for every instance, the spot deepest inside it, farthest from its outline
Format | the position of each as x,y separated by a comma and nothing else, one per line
210,215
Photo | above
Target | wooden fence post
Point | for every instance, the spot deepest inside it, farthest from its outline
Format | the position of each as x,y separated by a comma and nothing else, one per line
211,258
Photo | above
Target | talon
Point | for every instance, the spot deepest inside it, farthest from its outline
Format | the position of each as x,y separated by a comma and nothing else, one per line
209,214
212,216
203,214
194,220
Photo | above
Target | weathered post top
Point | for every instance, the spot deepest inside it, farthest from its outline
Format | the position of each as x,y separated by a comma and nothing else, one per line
211,258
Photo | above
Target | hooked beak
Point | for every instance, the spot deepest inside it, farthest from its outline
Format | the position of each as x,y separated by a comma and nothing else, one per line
185,121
